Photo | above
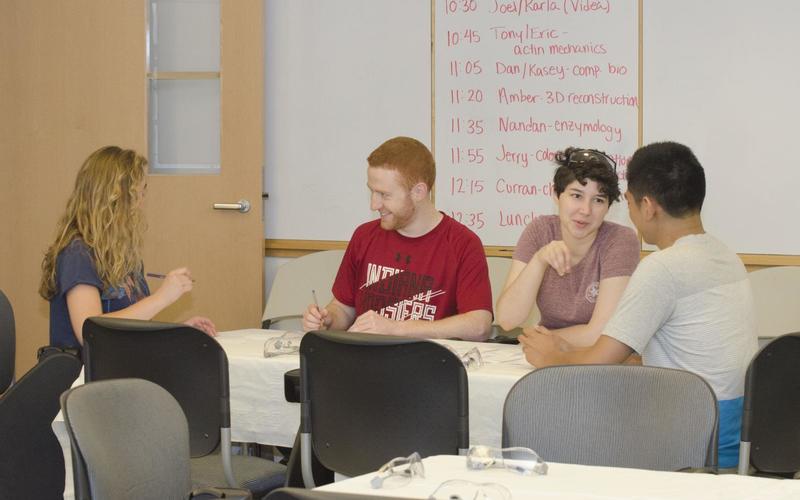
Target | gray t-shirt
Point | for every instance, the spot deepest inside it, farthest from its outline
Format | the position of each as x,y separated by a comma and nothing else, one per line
690,307
569,300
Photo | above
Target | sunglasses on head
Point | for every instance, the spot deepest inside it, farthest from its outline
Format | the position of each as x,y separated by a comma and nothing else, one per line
583,156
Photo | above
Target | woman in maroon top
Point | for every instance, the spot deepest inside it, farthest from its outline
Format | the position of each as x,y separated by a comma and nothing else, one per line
575,265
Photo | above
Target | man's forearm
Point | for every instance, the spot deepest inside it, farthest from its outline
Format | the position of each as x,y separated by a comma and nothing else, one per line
340,318
473,325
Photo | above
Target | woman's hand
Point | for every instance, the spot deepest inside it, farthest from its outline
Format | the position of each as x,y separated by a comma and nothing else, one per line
203,324
177,282
556,255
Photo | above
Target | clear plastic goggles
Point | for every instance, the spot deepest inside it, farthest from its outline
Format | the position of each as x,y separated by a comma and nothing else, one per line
460,489
524,461
398,472
287,343
471,359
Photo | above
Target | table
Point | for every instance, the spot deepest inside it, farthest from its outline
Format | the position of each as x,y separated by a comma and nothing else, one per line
573,482
260,414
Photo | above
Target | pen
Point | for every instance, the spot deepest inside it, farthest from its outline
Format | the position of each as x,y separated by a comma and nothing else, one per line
159,276
314,295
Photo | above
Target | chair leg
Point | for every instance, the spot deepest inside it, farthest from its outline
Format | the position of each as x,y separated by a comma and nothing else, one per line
225,451
294,477
744,458
306,454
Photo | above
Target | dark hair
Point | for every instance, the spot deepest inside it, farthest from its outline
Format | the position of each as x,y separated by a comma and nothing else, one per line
595,166
671,174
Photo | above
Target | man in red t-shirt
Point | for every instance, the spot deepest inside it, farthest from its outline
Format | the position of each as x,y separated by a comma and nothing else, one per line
415,271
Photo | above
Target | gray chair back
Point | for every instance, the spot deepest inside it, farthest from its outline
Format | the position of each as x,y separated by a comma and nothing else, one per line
771,410
129,440
618,416
193,368
369,398
291,288
8,343
31,459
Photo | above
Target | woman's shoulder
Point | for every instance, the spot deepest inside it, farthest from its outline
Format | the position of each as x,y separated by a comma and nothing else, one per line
543,228
76,247
76,251
538,233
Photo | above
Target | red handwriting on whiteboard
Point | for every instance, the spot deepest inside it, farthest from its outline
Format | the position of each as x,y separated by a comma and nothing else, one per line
506,124
467,36
527,33
514,188
471,67
515,219
475,220
506,155
455,6
465,185
591,98
516,96
469,126
608,132
580,6
519,7
469,155
466,95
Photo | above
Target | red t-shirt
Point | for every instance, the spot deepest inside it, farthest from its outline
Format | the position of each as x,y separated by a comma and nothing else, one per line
430,277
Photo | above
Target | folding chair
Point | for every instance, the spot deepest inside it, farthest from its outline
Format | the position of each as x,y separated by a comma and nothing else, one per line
130,440
776,293
618,416
192,367
364,396
771,410
31,458
290,293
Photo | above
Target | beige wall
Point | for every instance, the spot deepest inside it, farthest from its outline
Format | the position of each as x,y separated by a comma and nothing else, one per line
72,80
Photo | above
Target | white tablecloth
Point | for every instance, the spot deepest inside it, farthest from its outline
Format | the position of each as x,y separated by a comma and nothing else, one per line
574,482
260,414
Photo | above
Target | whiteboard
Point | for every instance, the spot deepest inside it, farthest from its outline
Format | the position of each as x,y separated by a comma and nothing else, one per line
515,83
722,77
341,78
344,75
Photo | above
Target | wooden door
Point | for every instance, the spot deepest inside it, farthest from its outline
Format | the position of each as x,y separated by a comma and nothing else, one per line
224,249
74,79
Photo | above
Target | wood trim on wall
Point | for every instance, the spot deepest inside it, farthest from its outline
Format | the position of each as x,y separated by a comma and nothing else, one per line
297,248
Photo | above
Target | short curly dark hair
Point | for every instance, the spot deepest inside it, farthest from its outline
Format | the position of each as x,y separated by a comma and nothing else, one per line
594,165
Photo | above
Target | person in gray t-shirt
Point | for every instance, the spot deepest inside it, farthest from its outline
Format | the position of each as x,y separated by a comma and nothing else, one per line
574,265
688,306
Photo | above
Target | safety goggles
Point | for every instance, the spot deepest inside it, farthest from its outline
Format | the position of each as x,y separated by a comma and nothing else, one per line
471,359
398,472
522,460
460,489
287,343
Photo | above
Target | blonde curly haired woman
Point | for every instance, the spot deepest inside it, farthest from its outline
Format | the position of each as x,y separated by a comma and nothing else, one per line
94,267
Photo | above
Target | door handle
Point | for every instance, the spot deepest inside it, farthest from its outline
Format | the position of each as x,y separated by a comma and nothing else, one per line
241,206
